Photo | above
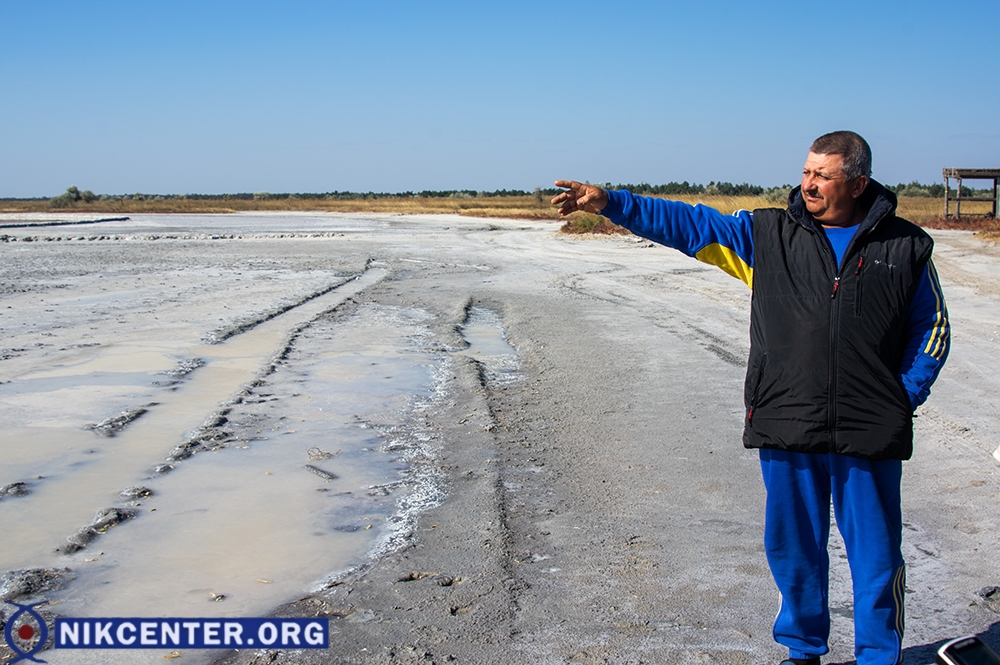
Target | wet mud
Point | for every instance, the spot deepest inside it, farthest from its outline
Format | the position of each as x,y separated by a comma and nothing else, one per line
104,520
111,426
56,222
21,584
15,489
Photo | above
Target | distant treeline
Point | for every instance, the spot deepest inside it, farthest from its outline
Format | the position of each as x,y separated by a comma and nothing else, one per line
778,194
368,196
73,195
712,188
935,191
675,188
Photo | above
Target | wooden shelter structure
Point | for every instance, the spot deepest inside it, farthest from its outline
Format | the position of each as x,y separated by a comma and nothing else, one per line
970,174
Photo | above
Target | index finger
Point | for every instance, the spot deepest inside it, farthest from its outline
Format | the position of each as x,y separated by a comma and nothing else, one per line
568,184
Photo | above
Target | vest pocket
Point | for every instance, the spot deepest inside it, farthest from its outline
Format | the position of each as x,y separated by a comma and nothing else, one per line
755,389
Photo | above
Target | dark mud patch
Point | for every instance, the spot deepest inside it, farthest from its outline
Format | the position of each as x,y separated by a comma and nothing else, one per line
57,222
21,584
14,489
211,436
989,597
87,345
112,426
180,371
316,471
135,493
104,520
7,354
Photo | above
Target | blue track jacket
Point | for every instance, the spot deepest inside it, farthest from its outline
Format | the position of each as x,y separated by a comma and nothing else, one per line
726,241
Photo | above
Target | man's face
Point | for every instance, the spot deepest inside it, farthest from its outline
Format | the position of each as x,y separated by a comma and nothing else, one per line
829,196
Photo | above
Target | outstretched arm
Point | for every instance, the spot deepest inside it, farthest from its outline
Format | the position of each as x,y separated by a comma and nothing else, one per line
701,232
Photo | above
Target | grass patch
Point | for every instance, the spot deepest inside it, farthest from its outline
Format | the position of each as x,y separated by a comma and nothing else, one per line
583,222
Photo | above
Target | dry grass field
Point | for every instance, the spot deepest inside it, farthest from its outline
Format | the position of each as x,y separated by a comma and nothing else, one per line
495,206
922,210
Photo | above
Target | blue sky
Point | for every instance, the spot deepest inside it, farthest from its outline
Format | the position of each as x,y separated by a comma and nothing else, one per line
211,97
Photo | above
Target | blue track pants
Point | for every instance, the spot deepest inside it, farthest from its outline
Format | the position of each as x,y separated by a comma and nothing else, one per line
866,503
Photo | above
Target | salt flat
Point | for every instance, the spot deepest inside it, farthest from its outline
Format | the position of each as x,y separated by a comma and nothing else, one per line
531,442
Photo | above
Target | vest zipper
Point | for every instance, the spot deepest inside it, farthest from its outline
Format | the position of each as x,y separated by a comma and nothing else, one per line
834,338
857,297
832,404
834,326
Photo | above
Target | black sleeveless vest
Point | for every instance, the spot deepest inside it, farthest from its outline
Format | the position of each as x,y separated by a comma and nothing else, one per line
826,342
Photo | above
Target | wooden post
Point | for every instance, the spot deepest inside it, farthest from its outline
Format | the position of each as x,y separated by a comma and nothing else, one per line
947,184
958,200
996,196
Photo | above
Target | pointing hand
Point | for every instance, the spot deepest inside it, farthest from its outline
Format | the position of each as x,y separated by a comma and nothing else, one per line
579,197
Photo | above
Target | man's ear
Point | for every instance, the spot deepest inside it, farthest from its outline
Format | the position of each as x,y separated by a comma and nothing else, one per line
860,184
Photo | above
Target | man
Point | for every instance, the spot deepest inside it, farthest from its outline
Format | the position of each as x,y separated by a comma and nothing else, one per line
848,330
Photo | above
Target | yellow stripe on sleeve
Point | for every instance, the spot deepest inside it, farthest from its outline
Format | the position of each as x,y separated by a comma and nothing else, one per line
727,259
938,341
899,593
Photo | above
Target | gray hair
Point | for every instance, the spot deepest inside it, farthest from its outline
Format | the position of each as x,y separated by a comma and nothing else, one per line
849,145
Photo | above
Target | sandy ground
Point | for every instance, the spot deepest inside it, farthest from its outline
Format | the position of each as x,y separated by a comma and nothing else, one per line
585,500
